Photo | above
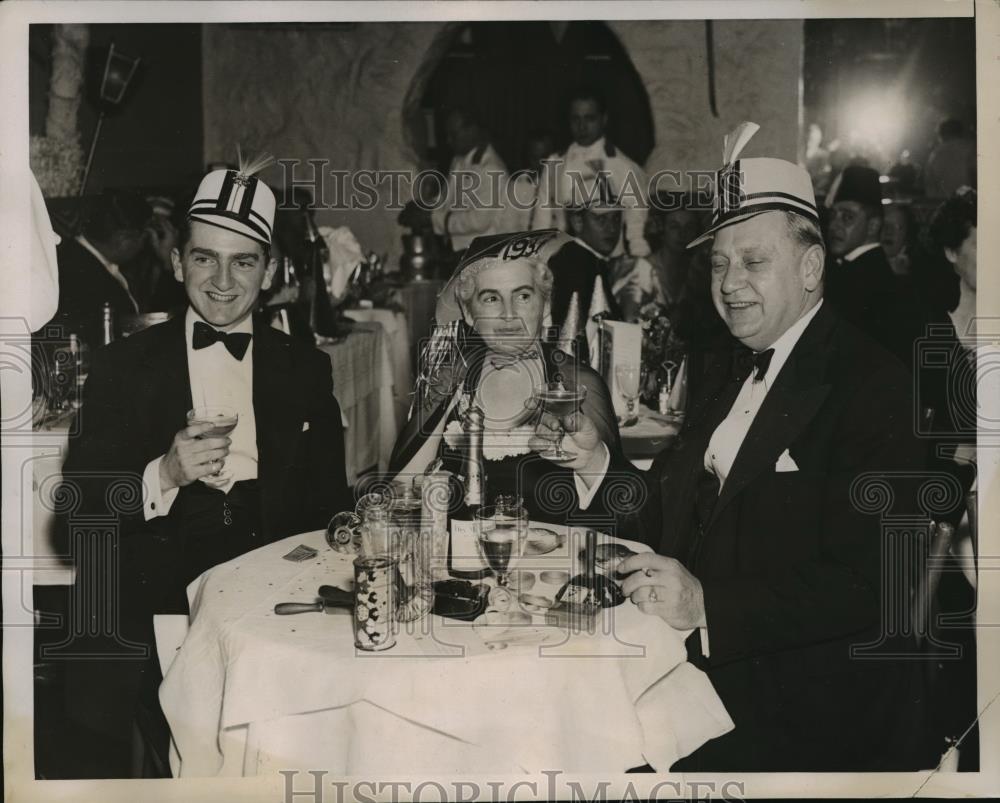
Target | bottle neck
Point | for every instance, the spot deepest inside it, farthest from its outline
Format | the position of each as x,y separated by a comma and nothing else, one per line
312,231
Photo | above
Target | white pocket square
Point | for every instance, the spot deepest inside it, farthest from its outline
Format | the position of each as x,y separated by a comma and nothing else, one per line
305,426
785,463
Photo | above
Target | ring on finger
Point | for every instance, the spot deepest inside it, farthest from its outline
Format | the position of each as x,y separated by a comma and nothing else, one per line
652,595
648,572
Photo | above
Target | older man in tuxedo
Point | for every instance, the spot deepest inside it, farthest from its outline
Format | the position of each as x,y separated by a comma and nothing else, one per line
761,552
188,498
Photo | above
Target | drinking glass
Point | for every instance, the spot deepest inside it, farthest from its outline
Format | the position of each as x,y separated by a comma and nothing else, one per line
627,377
554,398
224,420
501,533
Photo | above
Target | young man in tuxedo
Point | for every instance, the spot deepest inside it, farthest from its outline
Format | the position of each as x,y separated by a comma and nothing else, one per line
181,503
762,550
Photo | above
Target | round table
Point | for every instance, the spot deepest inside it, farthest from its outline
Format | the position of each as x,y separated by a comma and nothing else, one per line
251,692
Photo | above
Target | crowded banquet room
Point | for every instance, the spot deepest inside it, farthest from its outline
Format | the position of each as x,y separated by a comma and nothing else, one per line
575,397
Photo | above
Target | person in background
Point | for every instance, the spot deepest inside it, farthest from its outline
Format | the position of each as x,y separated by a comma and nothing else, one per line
952,163
474,203
859,281
952,243
583,265
524,189
574,177
898,238
660,278
682,283
948,387
113,232
953,230
150,275
904,174
671,260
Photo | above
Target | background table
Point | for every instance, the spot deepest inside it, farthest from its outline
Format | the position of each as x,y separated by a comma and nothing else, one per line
47,447
644,440
363,384
419,299
397,336
251,692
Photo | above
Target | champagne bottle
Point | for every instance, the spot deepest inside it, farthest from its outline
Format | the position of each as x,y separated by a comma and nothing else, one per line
322,318
469,491
290,317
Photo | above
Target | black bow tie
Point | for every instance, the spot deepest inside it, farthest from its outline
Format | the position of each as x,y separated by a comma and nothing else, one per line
236,343
745,361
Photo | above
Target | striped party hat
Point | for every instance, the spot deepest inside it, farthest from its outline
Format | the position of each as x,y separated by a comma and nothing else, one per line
748,187
236,200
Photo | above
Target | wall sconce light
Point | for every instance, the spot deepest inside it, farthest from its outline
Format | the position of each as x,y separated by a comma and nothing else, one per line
119,70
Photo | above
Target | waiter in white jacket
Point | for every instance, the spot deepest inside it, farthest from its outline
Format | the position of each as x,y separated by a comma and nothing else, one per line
474,202
569,178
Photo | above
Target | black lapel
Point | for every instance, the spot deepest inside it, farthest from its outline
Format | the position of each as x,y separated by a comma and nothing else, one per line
277,407
799,391
677,482
166,380
678,479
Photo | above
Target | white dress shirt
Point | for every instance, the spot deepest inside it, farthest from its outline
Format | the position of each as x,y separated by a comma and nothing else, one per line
728,437
475,211
217,378
110,267
563,177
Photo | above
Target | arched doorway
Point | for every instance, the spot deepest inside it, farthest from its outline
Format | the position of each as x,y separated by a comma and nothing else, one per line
517,76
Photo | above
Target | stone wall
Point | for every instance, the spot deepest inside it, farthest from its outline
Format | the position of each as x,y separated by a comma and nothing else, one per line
758,69
348,94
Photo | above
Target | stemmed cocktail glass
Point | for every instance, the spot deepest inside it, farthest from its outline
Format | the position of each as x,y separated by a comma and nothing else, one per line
501,531
627,377
557,400
223,418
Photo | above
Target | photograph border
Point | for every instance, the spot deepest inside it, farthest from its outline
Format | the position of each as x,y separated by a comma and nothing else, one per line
18,754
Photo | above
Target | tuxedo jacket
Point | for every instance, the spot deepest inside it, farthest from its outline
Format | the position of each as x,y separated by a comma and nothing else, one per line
136,399
548,489
791,567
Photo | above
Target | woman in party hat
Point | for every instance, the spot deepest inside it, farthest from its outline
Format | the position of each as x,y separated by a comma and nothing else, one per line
488,352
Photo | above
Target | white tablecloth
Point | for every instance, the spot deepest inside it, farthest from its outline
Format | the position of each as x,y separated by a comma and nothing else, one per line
363,385
397,335
47,451
251,692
